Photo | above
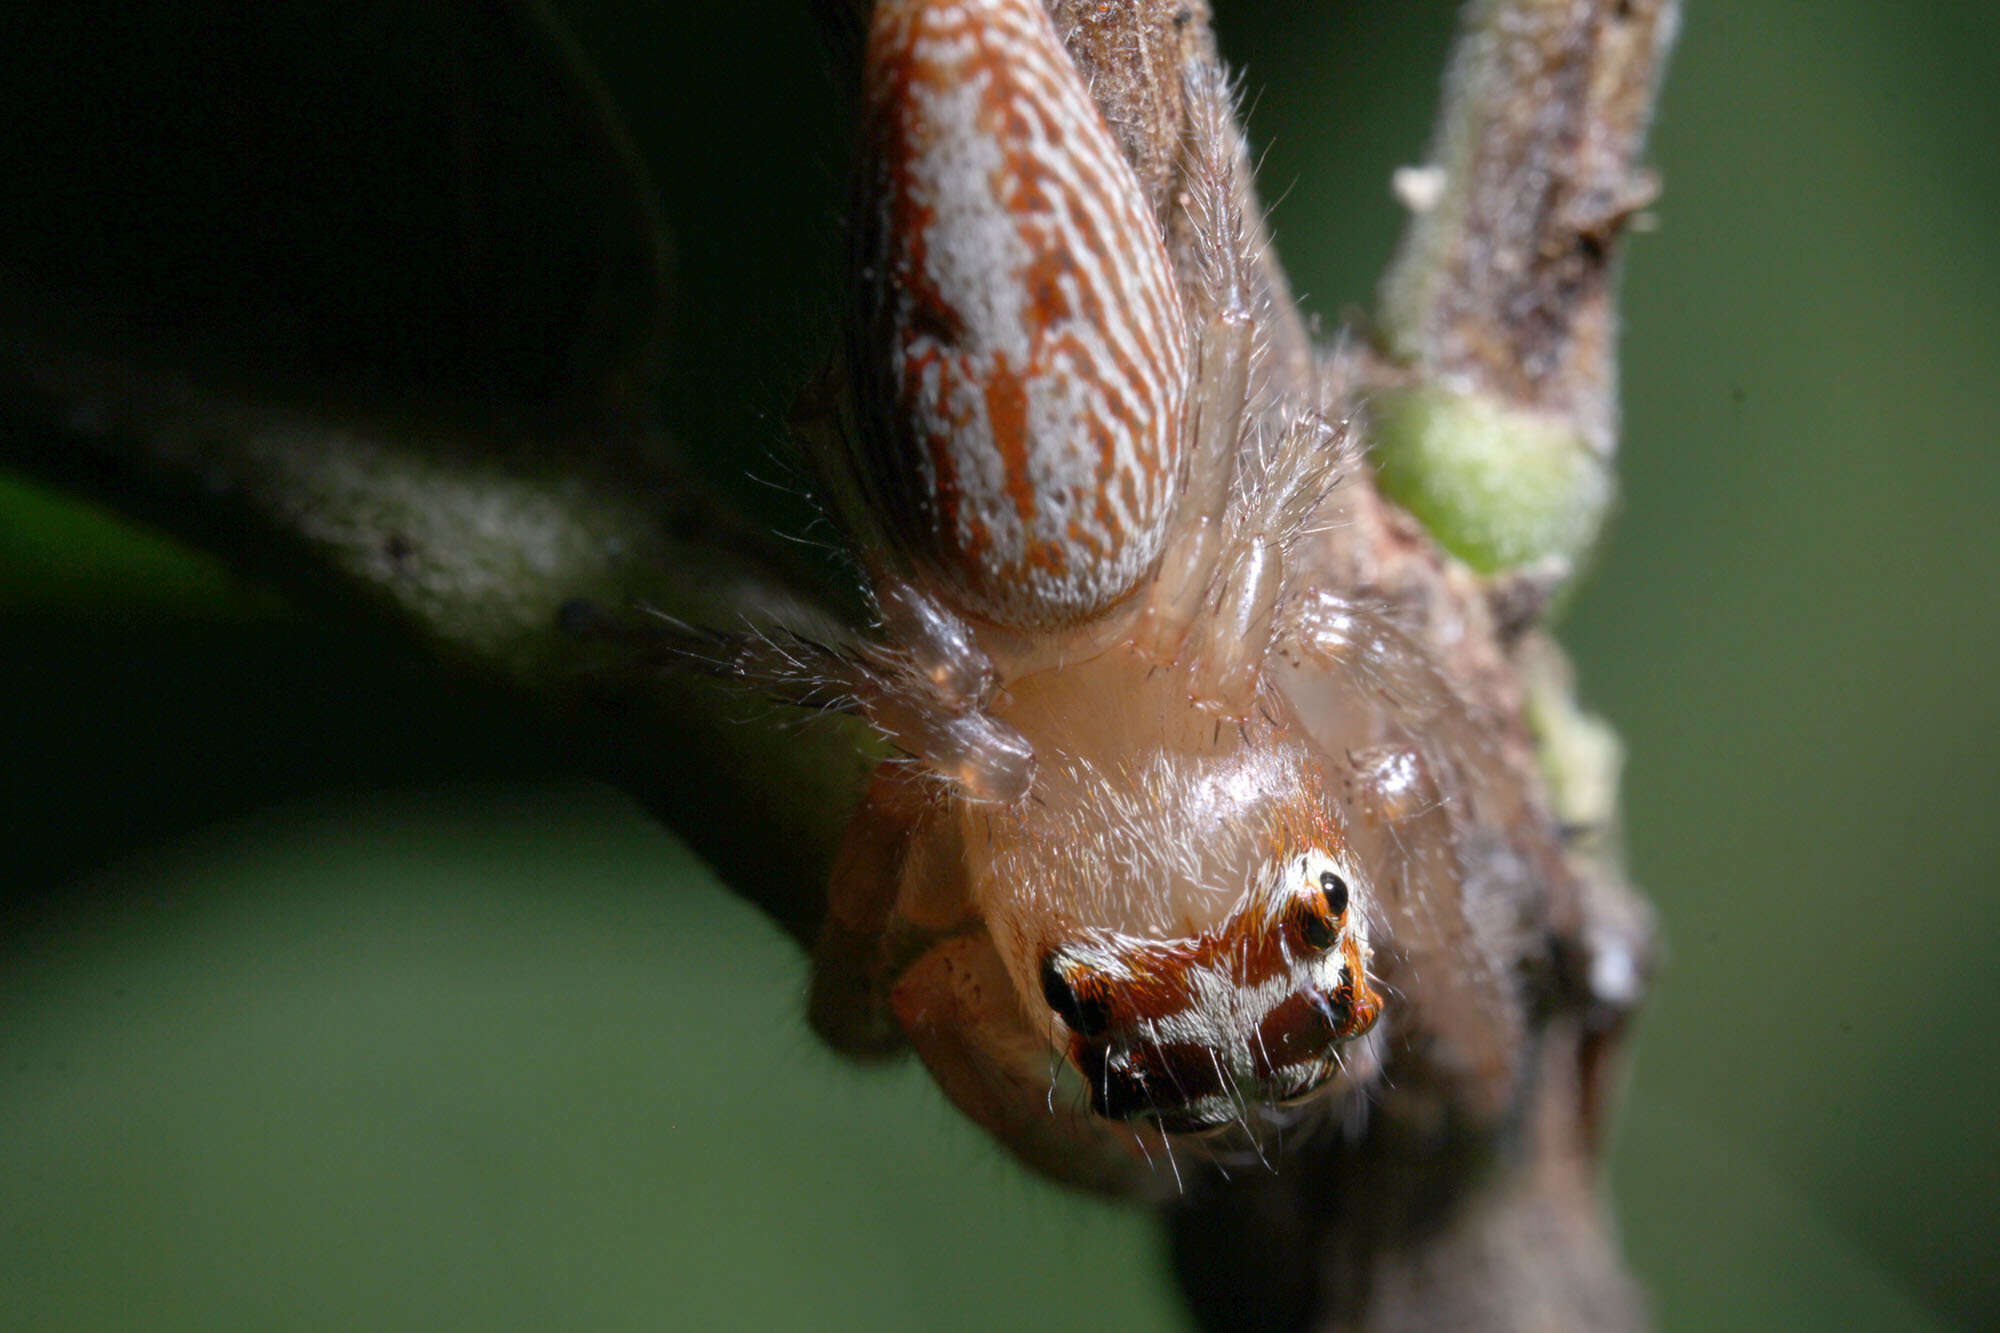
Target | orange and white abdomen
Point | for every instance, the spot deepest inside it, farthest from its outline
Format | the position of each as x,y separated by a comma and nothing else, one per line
1020,353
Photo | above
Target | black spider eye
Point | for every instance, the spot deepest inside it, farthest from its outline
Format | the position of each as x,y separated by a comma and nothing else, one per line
1320,931
1334,889
1087,1015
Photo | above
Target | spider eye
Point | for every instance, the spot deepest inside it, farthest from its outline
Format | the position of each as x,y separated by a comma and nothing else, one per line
1321,932
1087,1015
1334,890
1319,921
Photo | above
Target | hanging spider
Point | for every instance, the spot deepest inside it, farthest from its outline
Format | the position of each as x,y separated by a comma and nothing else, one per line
1167,782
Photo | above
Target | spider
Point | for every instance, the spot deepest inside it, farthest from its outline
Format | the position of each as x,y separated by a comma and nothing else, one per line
1169,775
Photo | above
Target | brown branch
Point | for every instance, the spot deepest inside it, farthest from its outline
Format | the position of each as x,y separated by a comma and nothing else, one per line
1497,403
1505,282
337,452
534,560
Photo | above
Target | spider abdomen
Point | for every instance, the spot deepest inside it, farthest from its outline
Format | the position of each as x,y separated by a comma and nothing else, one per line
1020,354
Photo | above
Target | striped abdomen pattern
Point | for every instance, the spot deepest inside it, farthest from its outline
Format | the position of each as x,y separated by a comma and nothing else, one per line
1020,353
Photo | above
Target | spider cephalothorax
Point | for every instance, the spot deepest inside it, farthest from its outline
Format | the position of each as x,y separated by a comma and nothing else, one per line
1185,1032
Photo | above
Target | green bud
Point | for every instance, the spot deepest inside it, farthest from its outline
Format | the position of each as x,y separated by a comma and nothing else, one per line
1499,487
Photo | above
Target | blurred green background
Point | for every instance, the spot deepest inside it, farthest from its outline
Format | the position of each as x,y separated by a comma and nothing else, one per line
328,998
